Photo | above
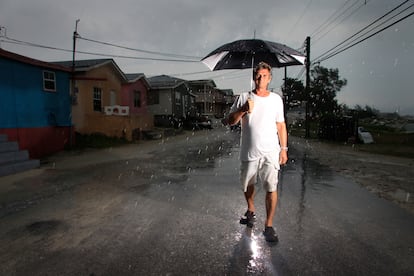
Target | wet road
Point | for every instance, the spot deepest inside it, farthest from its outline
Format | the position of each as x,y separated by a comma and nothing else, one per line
172,208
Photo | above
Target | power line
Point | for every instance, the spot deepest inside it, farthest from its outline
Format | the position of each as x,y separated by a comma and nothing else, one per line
329,20
300,17
386,27
20,42
138,50
366,27
316,40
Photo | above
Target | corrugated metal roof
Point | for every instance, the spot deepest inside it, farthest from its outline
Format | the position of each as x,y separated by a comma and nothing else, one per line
164,81
27,60
89,64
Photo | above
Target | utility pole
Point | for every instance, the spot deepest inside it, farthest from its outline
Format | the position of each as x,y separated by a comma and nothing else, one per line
75,36
73,83
307,88
3,33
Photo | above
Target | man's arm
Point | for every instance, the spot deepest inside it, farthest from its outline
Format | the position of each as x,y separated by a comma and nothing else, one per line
282,133
236,116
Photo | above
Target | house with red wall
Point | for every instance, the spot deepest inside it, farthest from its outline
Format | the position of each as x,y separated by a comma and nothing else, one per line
35,104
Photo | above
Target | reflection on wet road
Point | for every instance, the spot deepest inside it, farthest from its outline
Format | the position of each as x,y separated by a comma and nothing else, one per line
174,209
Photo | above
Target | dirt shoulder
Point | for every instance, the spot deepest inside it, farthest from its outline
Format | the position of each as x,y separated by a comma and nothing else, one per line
389,177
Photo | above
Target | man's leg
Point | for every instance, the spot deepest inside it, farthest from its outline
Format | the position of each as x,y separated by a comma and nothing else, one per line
249,217
249,195
271,202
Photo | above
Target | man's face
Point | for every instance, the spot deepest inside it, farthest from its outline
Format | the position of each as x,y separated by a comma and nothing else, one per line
262,78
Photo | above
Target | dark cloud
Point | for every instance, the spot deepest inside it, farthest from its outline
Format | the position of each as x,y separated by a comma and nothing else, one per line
378,70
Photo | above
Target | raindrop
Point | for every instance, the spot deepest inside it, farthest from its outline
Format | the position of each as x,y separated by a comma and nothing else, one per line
395,62
126,162
199,151
119,176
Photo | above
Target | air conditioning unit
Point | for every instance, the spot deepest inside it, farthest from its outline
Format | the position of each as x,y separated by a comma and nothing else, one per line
108,110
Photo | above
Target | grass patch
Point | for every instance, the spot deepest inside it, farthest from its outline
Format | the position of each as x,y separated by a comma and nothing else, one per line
387,140
96,141
390,143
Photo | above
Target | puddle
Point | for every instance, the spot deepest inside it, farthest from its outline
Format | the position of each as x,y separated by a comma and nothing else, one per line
43,227
402,196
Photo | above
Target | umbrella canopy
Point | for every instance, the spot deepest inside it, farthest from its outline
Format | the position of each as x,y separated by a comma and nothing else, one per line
247,53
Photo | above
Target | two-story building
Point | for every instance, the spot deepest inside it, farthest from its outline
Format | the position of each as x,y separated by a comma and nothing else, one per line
170,100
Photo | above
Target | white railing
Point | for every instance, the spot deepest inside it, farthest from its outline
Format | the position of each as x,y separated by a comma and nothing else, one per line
116,110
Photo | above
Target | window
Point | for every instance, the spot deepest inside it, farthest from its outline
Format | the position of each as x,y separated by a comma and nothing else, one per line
113,97
49,81
137,98
177,98
97,99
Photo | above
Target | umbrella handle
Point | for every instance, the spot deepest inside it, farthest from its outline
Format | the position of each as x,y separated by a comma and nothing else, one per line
251,81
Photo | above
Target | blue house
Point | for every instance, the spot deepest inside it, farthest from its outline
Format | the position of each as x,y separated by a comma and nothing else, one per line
35,104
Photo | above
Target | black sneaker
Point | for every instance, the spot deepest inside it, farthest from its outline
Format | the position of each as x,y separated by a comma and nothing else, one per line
248,219
270,234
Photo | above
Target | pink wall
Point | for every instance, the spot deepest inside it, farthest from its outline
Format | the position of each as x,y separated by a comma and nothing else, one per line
127,97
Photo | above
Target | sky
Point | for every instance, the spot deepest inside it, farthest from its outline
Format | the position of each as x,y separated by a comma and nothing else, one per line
378,70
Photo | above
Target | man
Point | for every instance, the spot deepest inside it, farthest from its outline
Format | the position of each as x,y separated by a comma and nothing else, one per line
263,144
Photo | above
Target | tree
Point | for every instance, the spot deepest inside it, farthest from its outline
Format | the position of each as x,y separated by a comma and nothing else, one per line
324,85
294,92
366,112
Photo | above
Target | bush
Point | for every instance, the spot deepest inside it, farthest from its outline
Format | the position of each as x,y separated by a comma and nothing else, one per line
97,140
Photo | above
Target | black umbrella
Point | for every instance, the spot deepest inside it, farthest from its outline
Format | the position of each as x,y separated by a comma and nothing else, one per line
247,53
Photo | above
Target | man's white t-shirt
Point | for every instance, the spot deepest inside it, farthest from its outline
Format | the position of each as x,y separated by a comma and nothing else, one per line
258,128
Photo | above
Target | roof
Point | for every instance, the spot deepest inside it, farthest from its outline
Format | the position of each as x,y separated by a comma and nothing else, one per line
227,92
89,64
134,77
31,61
209,82
164,81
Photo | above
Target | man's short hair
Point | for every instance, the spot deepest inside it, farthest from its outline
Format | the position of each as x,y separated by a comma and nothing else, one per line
262,65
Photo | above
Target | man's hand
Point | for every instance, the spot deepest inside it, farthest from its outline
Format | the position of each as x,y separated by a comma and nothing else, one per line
283,157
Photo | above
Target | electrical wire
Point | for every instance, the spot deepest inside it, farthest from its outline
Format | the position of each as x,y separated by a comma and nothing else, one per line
20,42
328,21
300,17
138,50
366,27
219,74
386,27
316,40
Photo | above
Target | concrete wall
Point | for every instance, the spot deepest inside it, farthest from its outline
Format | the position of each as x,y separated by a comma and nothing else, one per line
117,126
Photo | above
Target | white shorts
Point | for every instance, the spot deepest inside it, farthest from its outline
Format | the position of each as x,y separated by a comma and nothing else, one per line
264,169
